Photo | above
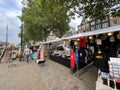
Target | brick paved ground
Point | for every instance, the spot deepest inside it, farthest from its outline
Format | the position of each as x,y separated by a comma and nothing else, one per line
58,77
48,76
23,76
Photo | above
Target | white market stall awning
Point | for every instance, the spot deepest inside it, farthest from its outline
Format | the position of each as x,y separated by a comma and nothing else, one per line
51,41
96,32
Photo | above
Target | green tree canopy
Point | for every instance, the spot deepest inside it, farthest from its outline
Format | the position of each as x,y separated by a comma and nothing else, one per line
42,16
96,9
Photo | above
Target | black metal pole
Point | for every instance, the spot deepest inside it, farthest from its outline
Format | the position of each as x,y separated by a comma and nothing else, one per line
22,28
21,51
21,35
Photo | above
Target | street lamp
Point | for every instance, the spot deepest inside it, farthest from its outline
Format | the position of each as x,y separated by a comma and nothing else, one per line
7,36
22,28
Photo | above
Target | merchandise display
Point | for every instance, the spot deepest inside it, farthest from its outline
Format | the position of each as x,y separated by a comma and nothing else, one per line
114,67
40,55
98,49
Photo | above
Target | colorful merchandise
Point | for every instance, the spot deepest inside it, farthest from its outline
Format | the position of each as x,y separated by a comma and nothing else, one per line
72,59
83,41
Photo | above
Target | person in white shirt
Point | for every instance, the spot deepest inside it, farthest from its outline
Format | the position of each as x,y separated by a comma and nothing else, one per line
27,53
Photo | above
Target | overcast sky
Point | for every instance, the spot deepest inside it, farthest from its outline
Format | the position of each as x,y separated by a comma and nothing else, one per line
9,10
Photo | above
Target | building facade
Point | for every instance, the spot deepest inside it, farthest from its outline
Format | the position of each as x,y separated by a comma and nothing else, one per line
84,26
91,25
71,32
114,21
52,36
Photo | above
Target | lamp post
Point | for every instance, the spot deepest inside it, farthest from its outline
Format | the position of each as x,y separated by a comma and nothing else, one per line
22,35
21,51
7,36
22,28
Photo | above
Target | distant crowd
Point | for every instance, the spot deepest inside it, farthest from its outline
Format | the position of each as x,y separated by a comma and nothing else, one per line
24,53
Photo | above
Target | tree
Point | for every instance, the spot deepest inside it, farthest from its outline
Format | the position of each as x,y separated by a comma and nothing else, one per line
93,9
97,9
42,16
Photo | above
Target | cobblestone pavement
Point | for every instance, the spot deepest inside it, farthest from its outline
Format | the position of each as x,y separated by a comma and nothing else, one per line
59,77
47,76
20,76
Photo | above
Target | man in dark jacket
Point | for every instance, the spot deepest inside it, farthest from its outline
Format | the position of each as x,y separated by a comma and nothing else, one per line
101,61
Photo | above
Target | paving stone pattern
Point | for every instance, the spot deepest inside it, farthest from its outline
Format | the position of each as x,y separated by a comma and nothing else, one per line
23,76
47,76
59,77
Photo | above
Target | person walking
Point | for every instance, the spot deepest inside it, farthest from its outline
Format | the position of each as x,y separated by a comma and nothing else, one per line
72,60
26,53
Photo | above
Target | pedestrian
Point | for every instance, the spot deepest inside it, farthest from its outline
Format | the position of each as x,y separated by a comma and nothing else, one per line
17,53
37,54
72,60
21,49
27,53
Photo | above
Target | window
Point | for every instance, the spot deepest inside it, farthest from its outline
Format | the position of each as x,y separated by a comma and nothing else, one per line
93,23
104,25
115,21
83,26
92,28
98,26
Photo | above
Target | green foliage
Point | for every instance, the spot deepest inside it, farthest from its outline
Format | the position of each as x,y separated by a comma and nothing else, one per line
42,16
98,9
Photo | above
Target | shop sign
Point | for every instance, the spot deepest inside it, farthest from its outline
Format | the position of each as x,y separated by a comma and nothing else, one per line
118,36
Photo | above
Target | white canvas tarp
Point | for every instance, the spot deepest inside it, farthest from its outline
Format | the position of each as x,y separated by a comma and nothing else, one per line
96,32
